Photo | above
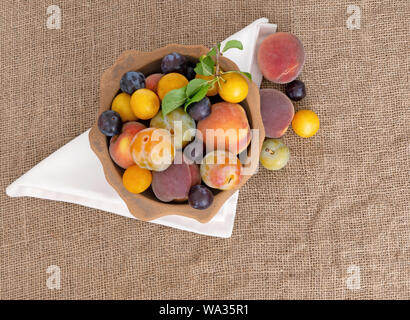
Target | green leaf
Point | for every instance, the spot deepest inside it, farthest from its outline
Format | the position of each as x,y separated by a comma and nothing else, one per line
173,99
198,69
193,86
208,65
246,74
233,44
205,66
211,52
198,96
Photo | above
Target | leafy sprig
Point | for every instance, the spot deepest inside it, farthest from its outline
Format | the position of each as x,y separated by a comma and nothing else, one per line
197,89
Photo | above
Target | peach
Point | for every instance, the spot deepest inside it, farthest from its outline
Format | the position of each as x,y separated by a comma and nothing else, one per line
119,148
226,128
151,82
221,169
195,174
281,57
174,183
132,127
152,149
277,112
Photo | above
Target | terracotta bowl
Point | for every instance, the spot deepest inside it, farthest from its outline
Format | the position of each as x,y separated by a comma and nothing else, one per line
145,206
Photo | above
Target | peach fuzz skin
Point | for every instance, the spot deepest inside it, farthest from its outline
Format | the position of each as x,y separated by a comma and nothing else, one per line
277,112
120,145
281,57
230,118
151,82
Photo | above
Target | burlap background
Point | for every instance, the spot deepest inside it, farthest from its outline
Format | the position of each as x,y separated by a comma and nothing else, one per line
342,200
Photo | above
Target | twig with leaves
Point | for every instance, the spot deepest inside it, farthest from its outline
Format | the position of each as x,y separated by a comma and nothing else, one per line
197,88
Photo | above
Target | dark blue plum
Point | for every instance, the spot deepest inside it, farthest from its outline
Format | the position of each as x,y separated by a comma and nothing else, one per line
174,62
109,123
200,110
200,197
190,72
132,81
295,90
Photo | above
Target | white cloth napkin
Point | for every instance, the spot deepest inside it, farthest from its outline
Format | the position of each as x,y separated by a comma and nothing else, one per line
64,176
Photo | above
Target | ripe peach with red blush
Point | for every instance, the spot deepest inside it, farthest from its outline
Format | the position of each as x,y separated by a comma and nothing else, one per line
226,128
281,57
120,144
151,82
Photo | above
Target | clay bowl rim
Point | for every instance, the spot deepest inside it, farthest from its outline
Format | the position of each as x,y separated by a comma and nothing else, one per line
139,205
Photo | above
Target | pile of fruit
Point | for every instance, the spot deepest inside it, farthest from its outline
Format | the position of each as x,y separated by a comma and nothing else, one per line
280,58
158,126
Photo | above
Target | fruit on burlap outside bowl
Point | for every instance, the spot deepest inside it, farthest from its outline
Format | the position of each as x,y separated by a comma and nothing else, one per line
281,57
145,206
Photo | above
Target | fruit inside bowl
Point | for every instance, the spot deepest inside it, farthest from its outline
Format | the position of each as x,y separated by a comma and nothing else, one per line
174,130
